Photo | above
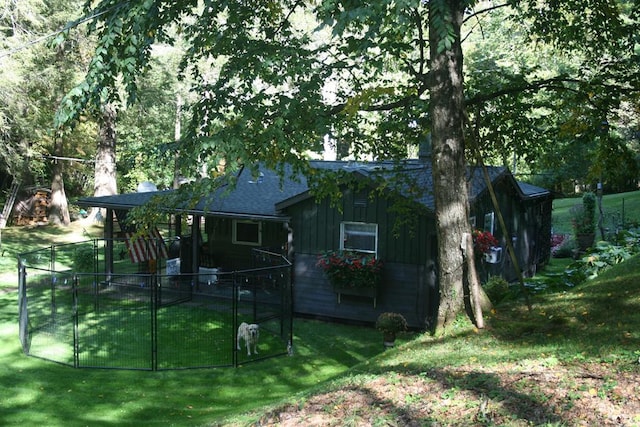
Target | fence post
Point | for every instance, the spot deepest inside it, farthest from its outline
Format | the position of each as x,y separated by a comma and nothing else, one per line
23,313
155,303
76,319
234,328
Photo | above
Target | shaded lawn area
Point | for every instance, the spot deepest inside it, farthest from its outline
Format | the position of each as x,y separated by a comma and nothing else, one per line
38,392
572,360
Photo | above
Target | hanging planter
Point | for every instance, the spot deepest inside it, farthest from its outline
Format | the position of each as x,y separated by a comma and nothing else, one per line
493,255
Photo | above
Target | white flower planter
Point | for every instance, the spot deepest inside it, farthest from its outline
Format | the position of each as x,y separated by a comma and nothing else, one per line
494,256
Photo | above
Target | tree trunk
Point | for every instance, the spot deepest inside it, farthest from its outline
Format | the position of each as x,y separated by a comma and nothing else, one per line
449,165
105,168
477,297
177,135
59,207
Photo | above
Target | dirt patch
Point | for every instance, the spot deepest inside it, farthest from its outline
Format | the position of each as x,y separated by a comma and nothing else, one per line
514,395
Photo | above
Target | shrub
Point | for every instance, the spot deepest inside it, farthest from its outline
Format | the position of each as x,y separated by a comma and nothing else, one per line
603,256
391,323
584,217
497,289
83,259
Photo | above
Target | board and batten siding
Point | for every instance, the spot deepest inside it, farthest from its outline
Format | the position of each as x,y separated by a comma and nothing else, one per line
528,223
316,228
408,285
407,289
223,253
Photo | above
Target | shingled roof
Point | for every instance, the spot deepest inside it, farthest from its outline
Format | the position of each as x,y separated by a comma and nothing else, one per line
263,194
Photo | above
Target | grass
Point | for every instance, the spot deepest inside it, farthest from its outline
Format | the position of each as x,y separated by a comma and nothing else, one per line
38,392
567,361
586,339
617,209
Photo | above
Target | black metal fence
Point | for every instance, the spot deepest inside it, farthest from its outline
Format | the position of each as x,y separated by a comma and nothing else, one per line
130,318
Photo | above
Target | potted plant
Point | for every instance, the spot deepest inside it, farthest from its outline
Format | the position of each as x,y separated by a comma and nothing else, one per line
583,220
352,273
390,324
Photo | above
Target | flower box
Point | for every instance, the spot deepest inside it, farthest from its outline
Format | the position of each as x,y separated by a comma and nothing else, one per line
357,292
352,273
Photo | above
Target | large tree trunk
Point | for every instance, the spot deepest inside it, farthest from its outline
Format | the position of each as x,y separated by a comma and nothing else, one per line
449,165
105,168
177,135
59,207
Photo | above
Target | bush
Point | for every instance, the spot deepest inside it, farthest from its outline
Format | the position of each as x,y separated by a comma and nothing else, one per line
83,259
391,323
583,217
603,256
497,289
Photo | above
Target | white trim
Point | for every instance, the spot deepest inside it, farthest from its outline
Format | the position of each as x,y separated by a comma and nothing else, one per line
489,222
374,234
234,237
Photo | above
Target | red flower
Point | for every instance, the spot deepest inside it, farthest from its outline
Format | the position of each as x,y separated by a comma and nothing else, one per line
351,269
483,241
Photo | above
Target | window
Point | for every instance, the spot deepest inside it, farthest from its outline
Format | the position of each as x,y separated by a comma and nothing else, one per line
359,237
489,222
247,233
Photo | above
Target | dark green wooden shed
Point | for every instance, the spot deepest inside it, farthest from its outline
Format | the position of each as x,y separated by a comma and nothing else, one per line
280,213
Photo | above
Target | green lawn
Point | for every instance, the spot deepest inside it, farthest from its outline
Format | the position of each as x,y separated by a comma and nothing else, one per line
38,392
616,209
594,324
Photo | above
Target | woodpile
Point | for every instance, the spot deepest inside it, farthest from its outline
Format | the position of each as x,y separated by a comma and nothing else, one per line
32,209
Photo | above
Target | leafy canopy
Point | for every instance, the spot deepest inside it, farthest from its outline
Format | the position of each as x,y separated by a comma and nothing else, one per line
277,80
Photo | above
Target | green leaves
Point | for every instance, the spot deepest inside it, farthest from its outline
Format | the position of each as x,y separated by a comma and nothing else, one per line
442,24
273,79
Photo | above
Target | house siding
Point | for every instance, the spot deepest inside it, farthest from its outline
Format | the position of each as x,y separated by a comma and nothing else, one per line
220,251
406,287
528,224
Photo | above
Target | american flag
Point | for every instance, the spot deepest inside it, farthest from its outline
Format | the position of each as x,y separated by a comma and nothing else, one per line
146,247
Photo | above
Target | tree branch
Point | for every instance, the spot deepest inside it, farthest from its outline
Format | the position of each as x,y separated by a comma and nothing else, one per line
402,102
483,11
532,86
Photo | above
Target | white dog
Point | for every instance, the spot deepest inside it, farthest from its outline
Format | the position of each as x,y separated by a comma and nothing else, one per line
250,334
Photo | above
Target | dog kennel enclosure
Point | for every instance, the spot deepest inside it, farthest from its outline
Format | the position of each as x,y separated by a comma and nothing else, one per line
148,316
